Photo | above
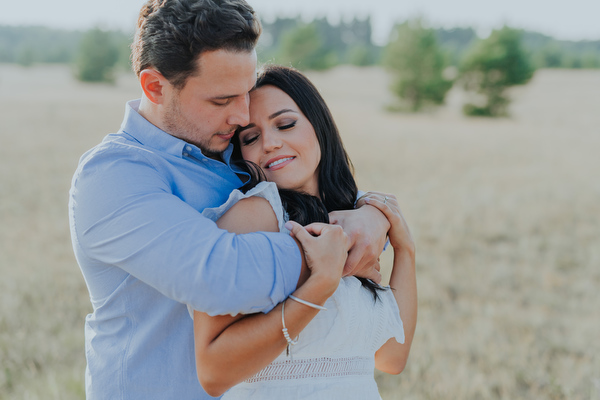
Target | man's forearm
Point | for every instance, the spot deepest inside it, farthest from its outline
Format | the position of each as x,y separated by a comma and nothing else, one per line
367,228
142,229
304,270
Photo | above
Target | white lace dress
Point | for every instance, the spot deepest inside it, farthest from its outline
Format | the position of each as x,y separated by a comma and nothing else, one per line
334,357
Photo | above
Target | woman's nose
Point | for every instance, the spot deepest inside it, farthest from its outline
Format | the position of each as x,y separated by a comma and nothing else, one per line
271,141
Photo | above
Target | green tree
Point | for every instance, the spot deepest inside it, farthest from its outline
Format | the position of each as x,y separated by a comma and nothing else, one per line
416,60
346,42
303,48
96,57
492,66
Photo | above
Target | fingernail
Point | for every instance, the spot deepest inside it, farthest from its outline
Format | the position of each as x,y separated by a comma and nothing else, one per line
367,200
288,225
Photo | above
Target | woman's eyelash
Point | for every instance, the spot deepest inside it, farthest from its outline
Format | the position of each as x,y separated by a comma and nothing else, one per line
288,126
249,140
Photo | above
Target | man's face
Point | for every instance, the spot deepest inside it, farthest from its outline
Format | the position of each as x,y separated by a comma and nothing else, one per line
214,103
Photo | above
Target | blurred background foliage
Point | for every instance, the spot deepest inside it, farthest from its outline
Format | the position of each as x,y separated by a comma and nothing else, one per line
425,62
490,67
97,55
417,62
348,42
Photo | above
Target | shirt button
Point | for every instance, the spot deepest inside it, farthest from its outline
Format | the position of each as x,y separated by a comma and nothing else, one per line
186,154
188,148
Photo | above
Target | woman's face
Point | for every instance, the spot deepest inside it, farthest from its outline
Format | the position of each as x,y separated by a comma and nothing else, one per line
281,140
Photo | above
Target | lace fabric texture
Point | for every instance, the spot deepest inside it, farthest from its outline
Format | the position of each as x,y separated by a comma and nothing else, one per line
324,367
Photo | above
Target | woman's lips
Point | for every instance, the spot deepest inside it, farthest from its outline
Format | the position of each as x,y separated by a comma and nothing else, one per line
279,162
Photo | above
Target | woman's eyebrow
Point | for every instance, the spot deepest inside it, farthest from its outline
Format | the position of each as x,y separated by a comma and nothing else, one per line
277,113
274,115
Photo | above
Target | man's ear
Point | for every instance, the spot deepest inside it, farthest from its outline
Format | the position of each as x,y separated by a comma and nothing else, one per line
153,84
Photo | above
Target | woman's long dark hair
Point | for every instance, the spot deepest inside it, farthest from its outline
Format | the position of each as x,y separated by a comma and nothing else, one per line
337,187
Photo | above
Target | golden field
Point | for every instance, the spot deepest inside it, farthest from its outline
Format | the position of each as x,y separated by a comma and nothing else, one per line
505,213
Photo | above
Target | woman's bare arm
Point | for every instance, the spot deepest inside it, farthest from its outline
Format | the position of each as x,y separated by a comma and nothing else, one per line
392,356
231,349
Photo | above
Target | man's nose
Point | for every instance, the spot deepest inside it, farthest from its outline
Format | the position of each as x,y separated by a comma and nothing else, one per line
240,115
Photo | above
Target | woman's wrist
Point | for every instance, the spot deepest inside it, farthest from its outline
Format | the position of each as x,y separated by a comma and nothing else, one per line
316,290
407,249
403,263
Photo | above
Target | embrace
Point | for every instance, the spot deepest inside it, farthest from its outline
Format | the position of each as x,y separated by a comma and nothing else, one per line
225,245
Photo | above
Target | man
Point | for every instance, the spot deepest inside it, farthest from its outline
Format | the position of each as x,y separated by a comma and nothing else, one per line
143,247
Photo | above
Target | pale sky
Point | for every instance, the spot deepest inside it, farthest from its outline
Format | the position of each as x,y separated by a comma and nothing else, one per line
562,19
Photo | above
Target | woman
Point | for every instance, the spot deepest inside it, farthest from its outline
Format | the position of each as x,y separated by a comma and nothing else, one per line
299,349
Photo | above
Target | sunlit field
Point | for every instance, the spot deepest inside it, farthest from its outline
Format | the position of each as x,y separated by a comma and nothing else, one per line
505,213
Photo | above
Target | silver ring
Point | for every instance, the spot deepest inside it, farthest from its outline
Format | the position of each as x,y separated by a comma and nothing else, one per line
385,199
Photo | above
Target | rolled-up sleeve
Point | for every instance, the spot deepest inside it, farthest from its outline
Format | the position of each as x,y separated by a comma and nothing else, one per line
124,214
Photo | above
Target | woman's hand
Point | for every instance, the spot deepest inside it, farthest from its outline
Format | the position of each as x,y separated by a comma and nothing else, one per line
325,249
399,234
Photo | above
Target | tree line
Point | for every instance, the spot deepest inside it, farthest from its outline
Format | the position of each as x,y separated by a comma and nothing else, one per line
28,45
425,62
327,45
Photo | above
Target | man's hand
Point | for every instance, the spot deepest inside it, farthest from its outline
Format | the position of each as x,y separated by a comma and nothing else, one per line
367,229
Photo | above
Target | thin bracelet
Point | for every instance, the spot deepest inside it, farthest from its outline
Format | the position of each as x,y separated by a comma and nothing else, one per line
286,335
306,303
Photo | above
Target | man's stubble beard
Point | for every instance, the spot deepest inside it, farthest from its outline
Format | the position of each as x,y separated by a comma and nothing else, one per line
176,124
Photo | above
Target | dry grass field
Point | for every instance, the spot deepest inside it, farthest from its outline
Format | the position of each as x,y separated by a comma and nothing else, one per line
505,212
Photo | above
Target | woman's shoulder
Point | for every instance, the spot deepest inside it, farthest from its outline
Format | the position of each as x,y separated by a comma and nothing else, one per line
250,214
258,207
263,189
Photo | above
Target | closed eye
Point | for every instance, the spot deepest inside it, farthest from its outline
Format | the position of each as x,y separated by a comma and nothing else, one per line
222,103
286,127
248,140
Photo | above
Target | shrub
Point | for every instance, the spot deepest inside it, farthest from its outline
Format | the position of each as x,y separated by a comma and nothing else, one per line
96,57
416,60
492,66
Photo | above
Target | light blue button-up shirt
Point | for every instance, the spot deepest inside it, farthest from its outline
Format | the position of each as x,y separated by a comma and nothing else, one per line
146,252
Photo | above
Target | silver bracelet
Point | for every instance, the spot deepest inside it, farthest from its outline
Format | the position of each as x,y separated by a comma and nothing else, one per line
306,303
286,335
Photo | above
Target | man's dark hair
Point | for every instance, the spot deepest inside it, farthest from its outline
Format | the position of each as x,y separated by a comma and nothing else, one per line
172,34
337,187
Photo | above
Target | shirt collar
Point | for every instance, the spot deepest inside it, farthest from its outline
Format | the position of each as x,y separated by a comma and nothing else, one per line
144,132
